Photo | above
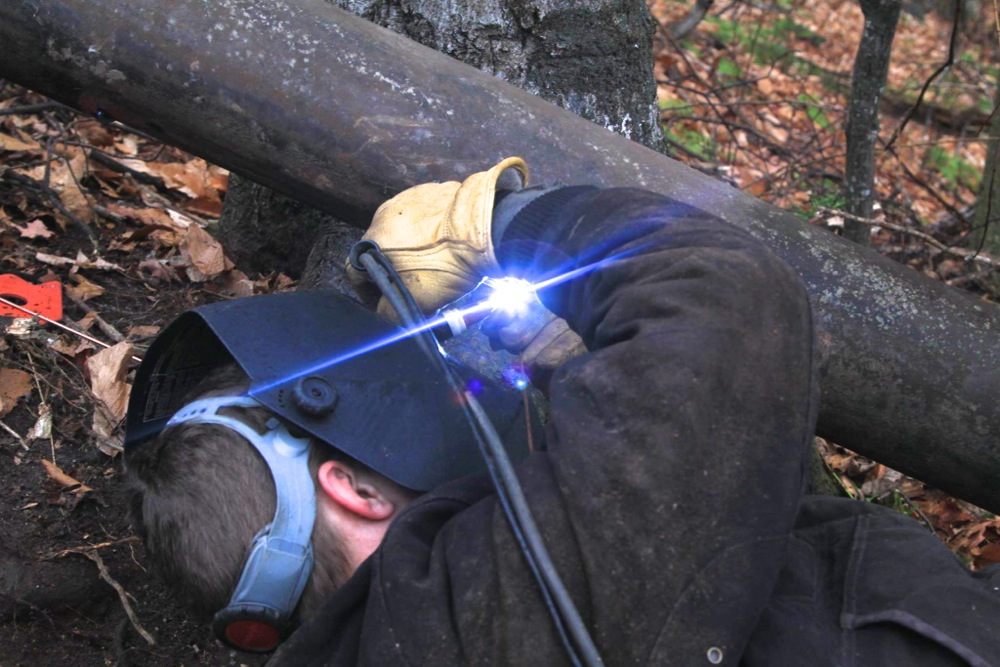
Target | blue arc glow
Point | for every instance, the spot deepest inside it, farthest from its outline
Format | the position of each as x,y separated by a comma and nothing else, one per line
587,268
353,354
523,290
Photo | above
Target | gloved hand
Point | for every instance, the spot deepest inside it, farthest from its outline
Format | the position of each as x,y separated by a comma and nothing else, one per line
543,341
437,235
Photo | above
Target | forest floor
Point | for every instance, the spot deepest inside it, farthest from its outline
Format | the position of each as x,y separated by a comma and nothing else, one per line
115,224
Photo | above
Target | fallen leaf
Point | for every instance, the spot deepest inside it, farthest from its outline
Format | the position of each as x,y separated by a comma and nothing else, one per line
142,332
85,263
35,229
127,145
42,428
70,348
108,369
156,272
180,219
155,217
947,511
84,289
13,144
207,256
64,178
235,283
209,206
81,261
991,553
20,327
779,134
57,474
94,132
757,187
14,384
86,322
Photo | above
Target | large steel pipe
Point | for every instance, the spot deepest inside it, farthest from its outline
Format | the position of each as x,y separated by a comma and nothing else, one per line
342,114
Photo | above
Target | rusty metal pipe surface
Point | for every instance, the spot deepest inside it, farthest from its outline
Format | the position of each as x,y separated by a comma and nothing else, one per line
342,114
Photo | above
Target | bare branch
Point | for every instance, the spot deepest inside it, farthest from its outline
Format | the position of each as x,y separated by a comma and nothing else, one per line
962,253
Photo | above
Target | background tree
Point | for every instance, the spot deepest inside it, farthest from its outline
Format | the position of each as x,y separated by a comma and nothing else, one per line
986,224
867,83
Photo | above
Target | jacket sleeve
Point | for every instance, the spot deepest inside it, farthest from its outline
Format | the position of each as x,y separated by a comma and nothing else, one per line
677,444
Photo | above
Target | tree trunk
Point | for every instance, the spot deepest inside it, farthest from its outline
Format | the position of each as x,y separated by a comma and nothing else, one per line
593,58
986,223
871,65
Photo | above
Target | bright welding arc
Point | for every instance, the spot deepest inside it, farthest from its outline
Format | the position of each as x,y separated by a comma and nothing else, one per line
509,295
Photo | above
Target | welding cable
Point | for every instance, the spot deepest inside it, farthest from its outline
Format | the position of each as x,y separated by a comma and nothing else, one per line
512,499
383,279
382,272
379,268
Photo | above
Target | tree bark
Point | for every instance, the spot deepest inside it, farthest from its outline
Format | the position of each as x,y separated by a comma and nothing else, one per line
908,366
871,65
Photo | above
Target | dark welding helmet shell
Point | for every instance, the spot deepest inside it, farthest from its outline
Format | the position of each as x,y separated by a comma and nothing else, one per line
305,354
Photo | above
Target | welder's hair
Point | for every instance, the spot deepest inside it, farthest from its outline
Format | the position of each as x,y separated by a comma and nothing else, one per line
199,493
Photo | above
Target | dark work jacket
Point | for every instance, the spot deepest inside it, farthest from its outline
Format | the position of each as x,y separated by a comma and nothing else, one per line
671,482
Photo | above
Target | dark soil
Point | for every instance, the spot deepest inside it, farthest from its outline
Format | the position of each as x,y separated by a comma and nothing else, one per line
55,608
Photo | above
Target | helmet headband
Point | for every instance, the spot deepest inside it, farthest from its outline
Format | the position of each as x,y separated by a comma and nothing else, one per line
280,560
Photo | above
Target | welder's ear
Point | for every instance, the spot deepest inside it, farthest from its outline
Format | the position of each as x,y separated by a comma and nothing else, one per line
354,492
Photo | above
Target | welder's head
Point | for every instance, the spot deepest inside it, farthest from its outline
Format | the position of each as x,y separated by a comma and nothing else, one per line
319,378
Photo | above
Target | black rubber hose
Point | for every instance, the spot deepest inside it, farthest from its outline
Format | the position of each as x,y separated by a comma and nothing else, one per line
573,632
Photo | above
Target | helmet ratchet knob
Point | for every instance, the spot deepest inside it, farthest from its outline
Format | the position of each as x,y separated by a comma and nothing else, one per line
314,396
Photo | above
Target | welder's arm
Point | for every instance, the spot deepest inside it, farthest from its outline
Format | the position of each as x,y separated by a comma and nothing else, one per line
678,441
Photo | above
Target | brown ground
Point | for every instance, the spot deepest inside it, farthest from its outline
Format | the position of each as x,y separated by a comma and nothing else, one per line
55,607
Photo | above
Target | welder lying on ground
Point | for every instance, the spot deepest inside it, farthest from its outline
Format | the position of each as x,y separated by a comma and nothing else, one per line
670,494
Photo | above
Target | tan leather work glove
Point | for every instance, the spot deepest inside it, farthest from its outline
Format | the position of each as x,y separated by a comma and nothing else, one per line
437,235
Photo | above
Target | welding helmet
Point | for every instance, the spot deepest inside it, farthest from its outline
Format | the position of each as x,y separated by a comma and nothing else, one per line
343,375
340,373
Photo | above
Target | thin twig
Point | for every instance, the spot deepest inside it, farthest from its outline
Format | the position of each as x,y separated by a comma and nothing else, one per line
961,253
14,433
89,547
911,504
778,101
951,208
122,595
956,21
108,330
707,95
31,108
54,197
41,396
